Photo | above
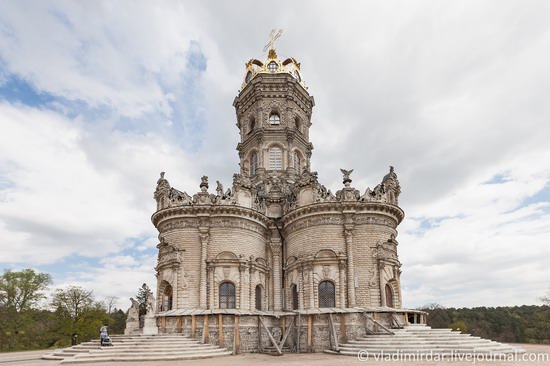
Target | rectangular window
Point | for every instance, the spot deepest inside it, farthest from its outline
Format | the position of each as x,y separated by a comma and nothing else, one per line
275,159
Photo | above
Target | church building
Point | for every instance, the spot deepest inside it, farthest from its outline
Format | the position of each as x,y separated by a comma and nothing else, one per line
277,249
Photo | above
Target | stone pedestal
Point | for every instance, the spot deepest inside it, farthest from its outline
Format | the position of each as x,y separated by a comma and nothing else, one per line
150,325
132,328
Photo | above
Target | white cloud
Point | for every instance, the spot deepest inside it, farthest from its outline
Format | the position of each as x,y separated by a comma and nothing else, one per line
450,94
65,197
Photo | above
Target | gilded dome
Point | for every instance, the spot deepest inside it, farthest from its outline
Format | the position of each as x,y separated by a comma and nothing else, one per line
273,65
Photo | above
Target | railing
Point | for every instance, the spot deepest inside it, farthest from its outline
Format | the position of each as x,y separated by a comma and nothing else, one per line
333,337
376,326
395,322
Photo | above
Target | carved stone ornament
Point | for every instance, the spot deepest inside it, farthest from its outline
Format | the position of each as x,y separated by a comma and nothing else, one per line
326,271
346,179
204,183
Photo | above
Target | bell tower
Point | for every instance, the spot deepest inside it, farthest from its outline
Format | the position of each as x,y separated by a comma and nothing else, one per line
273,116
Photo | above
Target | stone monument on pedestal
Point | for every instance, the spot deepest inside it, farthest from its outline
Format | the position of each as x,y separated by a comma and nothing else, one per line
132,320
150,323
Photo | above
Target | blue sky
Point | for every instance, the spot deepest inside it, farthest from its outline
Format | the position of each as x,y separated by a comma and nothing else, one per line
96,98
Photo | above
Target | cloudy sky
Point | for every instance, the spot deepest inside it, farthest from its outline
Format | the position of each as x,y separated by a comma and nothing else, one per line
98,97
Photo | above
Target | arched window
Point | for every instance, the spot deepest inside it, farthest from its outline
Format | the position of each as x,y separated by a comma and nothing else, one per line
326,295
258,297
296,162
253,163
298,124
275,158
294,296
274,119
272,66
389,296
227,295
167,298
251,125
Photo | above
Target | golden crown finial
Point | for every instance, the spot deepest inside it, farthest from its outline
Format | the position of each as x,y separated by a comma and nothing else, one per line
272,54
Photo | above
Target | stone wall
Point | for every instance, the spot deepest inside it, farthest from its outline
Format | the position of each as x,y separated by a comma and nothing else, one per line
348,327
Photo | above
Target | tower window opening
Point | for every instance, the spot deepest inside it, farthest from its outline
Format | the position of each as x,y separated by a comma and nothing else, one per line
389,296
253,163
167,299
274,119
275,159
227,295
272,66
258,297
294,296
298,124
251,125
326,295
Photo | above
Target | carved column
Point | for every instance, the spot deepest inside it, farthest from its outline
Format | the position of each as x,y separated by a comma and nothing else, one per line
342,282
211,287
204,238
301,287
175,286
311,285
242,285
381,283
348,233
400,303
275,244
251,291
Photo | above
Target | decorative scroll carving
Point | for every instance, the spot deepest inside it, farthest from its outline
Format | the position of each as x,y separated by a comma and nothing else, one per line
278,189
324,220
168,255
179,224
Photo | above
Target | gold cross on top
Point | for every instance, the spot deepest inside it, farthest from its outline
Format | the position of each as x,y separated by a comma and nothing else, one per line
275,33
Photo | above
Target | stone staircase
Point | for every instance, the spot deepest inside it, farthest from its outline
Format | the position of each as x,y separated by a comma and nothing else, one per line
139,348
422,339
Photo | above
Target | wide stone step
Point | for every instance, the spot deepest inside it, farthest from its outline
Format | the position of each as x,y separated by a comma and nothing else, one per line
141,353
415,340
139,348
158,357
448,355
154,349
158,344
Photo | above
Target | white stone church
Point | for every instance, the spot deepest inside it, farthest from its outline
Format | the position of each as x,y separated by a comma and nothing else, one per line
277,244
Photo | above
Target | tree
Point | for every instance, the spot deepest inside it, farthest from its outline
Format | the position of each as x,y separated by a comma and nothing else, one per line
141,297
118,323
22,290
78,314
438,316
459,325
546,298
75,300
111,302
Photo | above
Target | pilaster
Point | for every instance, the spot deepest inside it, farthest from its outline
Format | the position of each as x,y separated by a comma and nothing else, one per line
348,235
204,236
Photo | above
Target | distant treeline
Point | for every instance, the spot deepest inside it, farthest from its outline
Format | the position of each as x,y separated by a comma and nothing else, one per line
511,324
29,320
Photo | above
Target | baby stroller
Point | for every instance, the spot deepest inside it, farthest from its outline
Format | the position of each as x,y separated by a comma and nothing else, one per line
104,338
